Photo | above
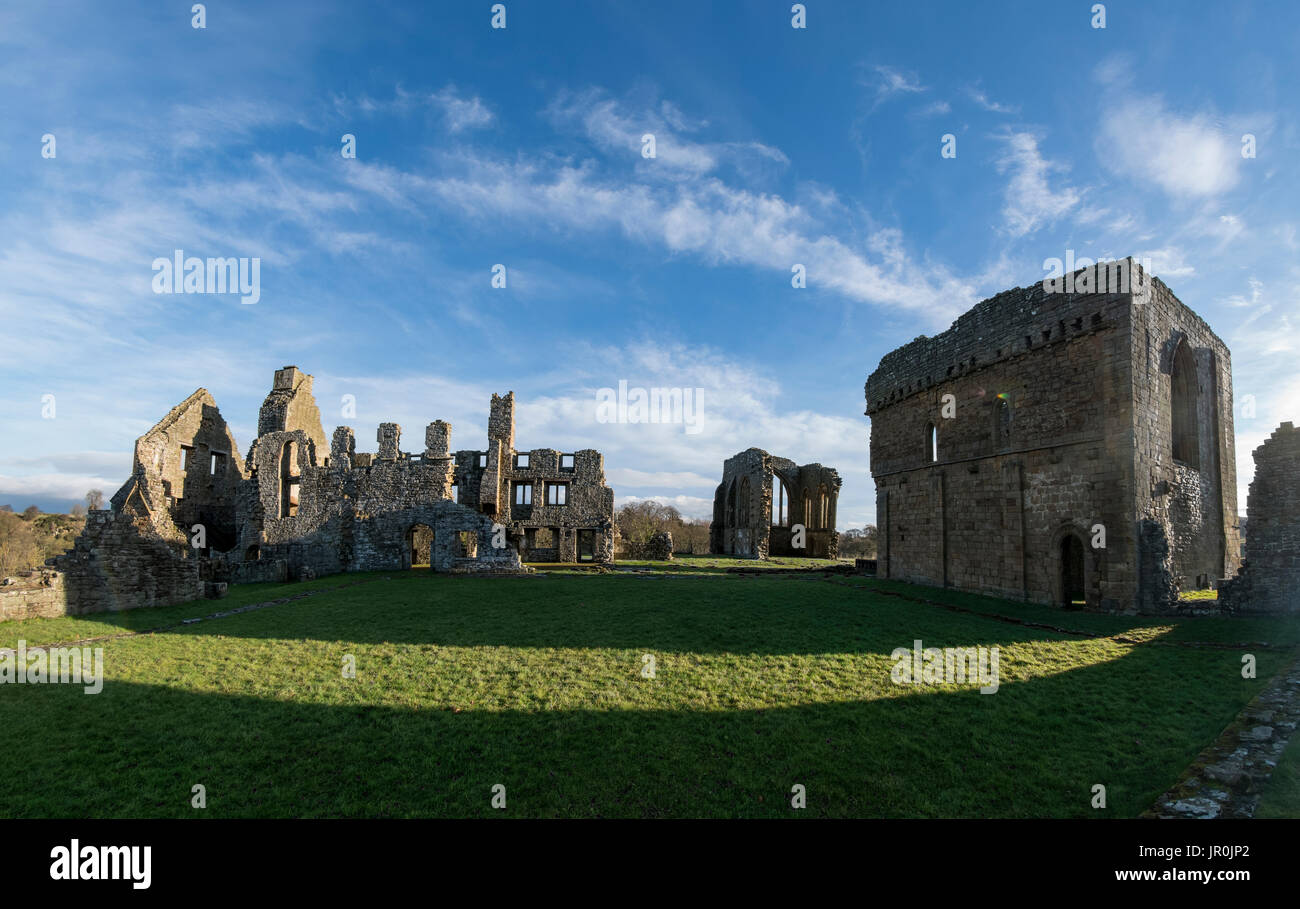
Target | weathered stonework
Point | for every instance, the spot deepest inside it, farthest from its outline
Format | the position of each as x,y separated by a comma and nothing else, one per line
1068,412
120,562
34,595
659,548
745,523
193,518
1269,578
555,506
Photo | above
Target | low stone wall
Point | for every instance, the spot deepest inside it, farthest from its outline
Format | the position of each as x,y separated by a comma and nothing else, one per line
659,548
32,595
115,566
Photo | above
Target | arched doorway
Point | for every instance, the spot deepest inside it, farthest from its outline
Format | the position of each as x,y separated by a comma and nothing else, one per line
419,541
1073,591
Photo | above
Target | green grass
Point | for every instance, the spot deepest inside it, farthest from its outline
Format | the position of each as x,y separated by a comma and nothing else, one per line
762,681
1281,797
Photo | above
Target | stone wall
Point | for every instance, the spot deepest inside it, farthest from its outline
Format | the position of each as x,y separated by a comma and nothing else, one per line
186,471
581,525
301,505
32,595
1001,445
659,548
1193,498
119,563
745,521
1269,579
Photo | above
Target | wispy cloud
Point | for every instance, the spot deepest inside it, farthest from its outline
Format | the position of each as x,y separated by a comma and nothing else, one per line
888,82
977,95
1030,199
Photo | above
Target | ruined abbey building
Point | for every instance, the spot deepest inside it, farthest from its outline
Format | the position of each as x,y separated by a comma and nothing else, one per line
1060,447
766,506
1269,577
302,504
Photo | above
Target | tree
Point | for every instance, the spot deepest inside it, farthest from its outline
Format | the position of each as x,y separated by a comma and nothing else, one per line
95,499
31,513
18,547
858,544
78,511
637,522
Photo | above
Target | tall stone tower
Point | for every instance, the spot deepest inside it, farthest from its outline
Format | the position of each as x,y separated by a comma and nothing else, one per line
501,422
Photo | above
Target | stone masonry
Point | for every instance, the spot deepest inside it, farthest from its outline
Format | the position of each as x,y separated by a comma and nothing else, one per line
194,516
1269,578
555,505
763,501
1043,424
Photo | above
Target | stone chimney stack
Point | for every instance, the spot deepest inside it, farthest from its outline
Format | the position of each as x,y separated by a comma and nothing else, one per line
437,439
501,422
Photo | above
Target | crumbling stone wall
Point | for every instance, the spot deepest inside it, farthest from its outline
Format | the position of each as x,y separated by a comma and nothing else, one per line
745,523
291,406
1269,579
186,471
302,505
33,595
118,562
580,521
659,548
355,511
1001,445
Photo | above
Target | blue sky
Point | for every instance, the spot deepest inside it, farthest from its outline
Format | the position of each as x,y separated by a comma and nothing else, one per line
522,146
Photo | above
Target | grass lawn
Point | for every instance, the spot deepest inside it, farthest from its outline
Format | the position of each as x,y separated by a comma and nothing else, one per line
1281,797
762,681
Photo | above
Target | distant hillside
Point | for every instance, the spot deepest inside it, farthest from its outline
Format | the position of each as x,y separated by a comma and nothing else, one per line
27,539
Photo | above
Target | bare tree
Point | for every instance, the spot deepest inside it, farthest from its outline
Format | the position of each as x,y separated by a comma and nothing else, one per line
95,499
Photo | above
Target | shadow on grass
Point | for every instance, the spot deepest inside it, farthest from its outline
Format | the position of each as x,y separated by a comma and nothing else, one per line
1033,749
609,611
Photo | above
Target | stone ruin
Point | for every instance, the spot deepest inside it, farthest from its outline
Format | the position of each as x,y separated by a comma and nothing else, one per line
658,548
1060,447
194,516
1269,578
765,503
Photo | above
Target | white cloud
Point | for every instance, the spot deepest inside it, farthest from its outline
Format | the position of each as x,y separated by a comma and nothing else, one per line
619,127
1030,200
988,104
462,113
56,487
1168,263
890,82
1185,155
935,109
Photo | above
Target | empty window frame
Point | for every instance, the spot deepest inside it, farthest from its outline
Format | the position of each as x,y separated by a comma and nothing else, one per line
557,493
523,493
